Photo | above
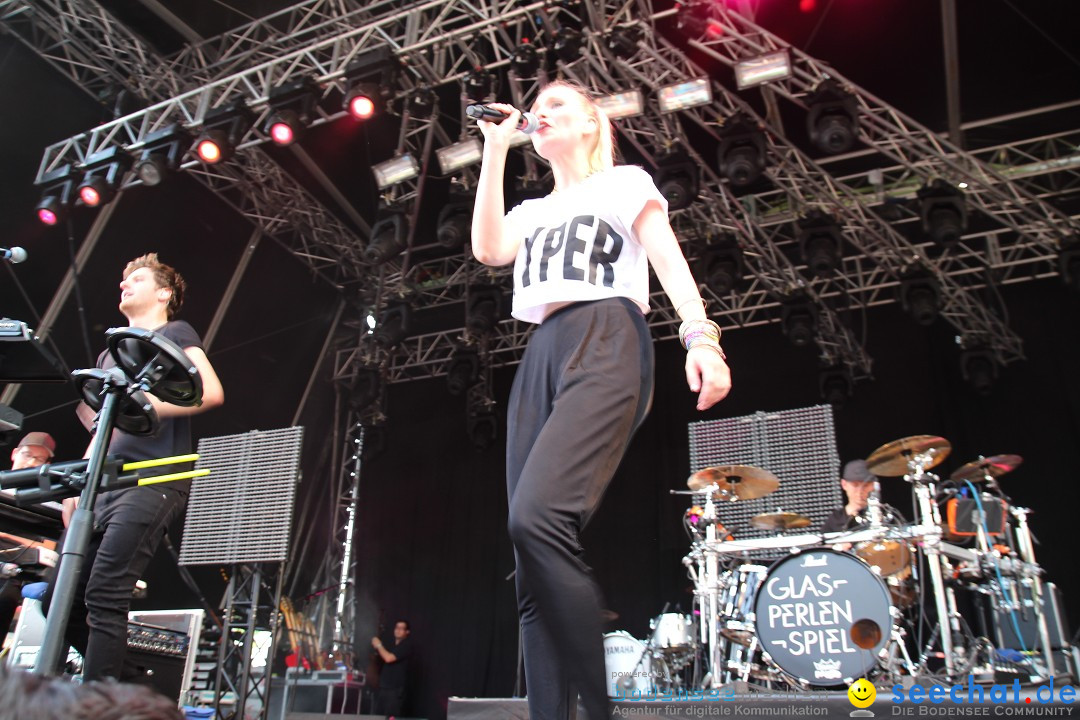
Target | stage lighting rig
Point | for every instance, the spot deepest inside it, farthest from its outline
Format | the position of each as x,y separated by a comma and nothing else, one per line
623,40
1069,262
482,427
695,19
479,85
820,243
920,295
568,44
291,110
482,307
388,237
364,100
721,265
836,384
677,179
422,102
798,319
833,120
104,173
56,197
222,132
525,61
459,155
979,368
396,170
741,155
454,226
463,371
943,212
395,324
367,388
161,154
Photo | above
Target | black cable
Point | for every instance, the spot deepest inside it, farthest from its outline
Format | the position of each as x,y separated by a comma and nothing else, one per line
78,295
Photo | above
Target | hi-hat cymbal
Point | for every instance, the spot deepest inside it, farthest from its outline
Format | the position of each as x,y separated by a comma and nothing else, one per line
995,466
891,459
735,482
779,521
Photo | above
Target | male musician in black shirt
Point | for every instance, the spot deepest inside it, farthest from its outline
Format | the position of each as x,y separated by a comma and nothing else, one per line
130,523
857,482
394,673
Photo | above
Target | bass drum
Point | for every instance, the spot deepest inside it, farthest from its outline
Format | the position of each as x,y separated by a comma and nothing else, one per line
627,665
823,617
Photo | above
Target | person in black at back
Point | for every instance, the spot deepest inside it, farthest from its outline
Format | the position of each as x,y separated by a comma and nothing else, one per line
857,482
392,679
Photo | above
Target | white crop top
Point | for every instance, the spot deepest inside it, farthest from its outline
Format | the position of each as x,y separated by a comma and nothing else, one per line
580,244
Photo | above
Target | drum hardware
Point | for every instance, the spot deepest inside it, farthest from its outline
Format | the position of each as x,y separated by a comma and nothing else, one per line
779,521
912,457
734,482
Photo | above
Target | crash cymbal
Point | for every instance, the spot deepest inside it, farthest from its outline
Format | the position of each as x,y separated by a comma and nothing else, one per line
891,459
779,521
995,466
735,482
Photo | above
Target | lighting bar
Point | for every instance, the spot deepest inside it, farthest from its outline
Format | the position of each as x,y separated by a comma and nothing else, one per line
620,105
762,69
396,170
685,95
462,154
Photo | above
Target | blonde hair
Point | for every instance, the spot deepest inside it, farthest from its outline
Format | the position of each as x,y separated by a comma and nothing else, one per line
602,155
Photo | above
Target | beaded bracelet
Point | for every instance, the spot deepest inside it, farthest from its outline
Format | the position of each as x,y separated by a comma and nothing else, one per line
701,333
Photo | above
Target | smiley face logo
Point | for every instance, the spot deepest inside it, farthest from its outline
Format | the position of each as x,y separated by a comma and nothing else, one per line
861,693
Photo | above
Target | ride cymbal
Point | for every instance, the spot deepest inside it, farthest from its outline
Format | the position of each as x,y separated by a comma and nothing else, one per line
891,459
779,521
994,466
735,482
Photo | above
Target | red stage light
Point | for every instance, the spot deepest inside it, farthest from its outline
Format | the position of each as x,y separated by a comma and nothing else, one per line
362,107
807,5
281,133
47,216
90,196
208,151
714,29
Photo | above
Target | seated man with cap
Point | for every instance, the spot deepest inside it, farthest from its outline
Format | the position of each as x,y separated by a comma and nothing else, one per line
857,482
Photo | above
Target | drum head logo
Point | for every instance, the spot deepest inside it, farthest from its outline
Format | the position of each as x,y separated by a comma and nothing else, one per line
862,693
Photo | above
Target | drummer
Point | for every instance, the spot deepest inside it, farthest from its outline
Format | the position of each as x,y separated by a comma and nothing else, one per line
857,482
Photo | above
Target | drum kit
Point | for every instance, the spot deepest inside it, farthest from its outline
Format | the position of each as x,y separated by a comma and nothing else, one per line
877,600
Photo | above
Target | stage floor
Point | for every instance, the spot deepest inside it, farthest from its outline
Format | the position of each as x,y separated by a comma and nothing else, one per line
1006,703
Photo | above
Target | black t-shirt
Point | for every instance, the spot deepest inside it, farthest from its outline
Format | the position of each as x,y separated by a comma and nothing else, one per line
393,674
839,520
173,436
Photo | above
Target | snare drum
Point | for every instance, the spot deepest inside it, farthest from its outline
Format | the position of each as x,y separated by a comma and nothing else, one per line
627,665
823,617
673,633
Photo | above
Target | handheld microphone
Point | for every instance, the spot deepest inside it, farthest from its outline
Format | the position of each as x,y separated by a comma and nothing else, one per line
13,255
529,123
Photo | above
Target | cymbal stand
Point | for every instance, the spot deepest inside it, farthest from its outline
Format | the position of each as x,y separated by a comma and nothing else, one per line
1031,569
710,616
938,564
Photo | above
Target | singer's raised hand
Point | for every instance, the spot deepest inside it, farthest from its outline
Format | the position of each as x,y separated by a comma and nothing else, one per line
501,132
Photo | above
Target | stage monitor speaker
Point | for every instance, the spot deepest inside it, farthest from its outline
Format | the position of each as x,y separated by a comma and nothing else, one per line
164,673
